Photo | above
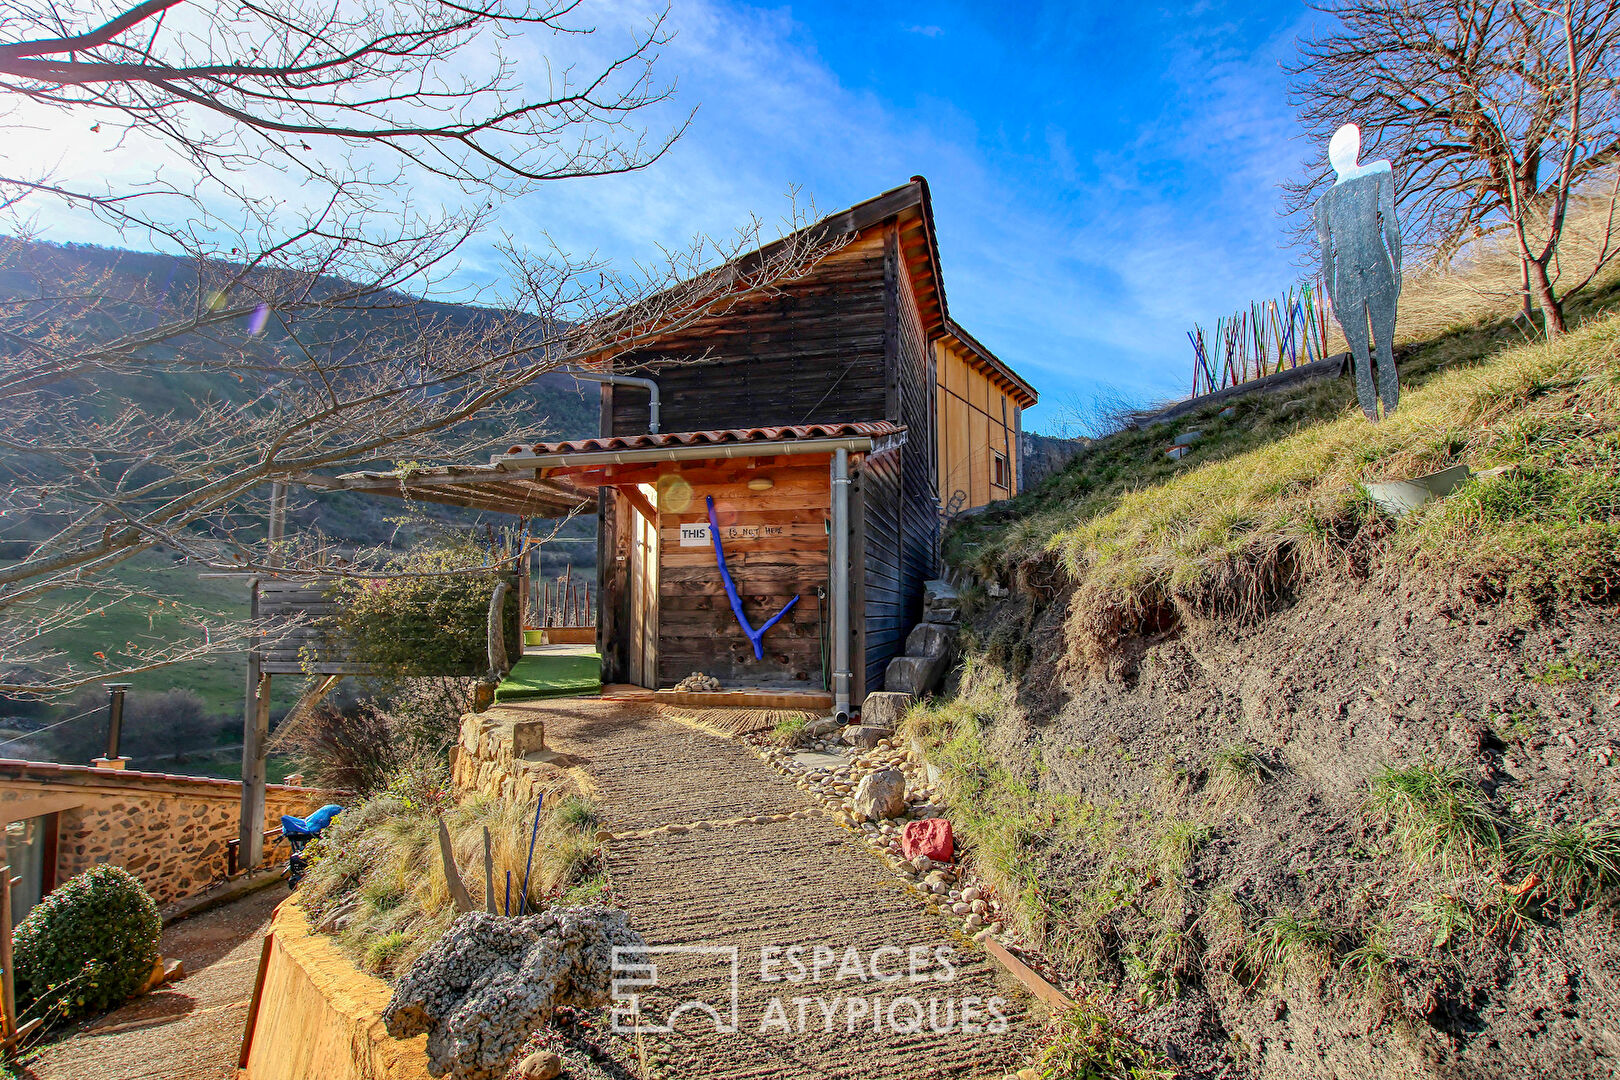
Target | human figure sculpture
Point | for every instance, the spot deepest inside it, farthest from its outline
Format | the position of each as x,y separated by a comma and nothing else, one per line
1361,264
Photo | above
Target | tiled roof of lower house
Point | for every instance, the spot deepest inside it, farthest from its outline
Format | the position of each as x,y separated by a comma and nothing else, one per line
873,428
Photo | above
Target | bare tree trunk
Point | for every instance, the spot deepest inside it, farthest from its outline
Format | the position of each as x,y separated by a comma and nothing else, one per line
1552,309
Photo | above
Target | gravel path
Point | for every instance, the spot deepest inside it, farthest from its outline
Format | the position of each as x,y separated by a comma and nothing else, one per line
798,884
189,1030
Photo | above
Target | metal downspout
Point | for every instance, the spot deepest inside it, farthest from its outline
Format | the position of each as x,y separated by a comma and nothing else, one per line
625,380
840,583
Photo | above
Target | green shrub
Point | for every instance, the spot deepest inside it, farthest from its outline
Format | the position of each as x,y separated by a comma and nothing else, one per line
1085,1043
87,946
431,620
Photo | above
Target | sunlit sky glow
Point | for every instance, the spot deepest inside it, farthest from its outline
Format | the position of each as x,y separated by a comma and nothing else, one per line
1104,175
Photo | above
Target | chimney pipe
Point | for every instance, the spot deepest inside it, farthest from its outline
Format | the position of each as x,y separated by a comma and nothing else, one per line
115,725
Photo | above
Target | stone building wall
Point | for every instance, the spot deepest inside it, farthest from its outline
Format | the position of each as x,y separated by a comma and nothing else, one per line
169,831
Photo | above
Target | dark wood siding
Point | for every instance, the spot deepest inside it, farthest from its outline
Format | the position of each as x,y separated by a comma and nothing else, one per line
884,606
899,488
813,353
919,496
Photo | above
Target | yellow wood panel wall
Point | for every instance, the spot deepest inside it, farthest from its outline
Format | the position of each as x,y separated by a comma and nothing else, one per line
971,432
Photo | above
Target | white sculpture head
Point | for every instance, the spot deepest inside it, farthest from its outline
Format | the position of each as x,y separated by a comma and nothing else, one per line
1343,150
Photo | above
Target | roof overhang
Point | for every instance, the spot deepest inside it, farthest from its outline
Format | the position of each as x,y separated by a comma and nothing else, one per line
998,372
551,480
544,464
475,487
908,208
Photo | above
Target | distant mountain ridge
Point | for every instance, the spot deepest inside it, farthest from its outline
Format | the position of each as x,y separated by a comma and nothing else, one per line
568,409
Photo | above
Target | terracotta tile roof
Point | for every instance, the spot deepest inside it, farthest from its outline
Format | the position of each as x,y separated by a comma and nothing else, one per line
875,429
46,770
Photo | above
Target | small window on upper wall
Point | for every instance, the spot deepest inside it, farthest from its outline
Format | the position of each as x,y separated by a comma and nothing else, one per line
998,470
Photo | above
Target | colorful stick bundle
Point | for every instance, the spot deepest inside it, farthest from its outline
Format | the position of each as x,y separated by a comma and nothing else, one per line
1271,336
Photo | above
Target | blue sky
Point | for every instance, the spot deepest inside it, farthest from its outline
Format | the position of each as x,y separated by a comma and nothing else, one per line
1104,175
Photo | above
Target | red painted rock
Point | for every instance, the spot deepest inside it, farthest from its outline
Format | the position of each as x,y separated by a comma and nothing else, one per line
930,837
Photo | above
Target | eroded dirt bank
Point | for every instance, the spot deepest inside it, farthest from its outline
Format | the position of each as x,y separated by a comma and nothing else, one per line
1233,879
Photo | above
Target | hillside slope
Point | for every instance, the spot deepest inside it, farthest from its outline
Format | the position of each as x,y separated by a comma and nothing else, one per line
153,287
1295,789
145,281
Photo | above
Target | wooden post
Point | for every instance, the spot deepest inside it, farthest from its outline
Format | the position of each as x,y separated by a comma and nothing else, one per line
256,711
8,980
11,1033
255,735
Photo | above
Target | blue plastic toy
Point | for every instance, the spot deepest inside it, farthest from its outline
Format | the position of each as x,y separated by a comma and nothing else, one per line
306,828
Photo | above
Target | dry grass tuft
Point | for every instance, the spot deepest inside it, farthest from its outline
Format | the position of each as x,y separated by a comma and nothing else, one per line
378,879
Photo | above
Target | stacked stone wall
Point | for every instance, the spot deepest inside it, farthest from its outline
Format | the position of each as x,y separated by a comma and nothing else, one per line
169,831
502,756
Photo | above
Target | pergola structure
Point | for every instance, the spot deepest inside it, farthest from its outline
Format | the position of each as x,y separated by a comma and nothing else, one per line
518,491
497,487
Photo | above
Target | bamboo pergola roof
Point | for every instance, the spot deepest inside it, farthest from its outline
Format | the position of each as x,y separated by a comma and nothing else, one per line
477,487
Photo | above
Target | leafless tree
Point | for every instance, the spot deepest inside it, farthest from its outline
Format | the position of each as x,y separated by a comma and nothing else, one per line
1495,114
288,137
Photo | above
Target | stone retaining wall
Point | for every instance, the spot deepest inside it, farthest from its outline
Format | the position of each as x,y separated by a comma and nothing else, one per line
169,831
501,754
316,1015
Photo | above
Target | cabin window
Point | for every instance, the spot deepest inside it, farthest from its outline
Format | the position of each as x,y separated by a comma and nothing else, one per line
998,469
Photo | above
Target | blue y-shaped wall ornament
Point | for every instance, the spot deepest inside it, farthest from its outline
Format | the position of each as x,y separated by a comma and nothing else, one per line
756,637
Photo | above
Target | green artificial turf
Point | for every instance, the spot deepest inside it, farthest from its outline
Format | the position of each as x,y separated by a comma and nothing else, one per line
542,675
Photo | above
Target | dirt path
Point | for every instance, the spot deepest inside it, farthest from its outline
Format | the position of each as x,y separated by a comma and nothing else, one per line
796,884
190,1030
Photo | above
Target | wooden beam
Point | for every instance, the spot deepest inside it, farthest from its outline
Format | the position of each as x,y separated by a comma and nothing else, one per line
1032,980
22,809
638,500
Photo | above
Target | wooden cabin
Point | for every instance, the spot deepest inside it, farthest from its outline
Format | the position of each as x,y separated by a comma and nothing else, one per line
853,369
979,416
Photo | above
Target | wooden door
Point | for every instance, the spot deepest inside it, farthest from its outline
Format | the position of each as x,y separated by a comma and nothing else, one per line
644,601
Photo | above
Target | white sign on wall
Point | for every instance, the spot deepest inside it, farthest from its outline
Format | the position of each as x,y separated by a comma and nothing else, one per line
695,535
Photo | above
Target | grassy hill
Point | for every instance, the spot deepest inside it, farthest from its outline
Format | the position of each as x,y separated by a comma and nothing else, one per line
1281,785
556,402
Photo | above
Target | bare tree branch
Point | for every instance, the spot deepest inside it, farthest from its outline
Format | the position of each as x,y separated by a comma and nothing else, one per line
1494,112
141,414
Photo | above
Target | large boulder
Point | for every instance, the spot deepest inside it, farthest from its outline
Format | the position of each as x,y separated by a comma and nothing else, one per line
915,675
941,604
930,639
865,735
490,980
884,708
930,838
881,794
